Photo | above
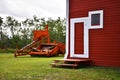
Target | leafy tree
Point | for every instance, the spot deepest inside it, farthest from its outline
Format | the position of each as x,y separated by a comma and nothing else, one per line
12,24
1,22
27,31
15,42
4,43
37,22
57,29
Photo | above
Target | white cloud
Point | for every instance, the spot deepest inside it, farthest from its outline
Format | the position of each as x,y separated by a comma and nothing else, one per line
28,8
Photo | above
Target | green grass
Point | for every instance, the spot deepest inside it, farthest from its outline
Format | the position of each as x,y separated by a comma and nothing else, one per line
29,68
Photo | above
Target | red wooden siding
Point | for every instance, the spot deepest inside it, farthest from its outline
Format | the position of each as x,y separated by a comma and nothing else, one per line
104,44
79,38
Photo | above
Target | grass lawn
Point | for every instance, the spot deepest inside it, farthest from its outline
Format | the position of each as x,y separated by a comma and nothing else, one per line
37,68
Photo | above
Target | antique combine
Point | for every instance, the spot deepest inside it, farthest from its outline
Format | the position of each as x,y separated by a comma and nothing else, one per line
41,45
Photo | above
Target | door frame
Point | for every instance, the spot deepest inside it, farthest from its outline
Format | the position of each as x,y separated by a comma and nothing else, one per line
85,54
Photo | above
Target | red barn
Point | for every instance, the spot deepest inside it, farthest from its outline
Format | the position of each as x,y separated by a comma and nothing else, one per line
93,31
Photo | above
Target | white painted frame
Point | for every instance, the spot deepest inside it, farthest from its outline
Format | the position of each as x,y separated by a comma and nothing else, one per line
67,29
101,19
85,20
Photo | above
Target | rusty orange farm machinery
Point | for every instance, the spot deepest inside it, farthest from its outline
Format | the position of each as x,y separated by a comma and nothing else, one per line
39,48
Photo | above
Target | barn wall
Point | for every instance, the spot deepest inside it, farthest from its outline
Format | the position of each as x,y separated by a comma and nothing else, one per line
104,44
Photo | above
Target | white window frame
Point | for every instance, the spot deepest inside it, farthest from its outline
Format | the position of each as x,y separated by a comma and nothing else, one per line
101,19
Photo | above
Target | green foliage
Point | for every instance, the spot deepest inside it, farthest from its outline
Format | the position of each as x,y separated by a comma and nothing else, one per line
8,50
1,21
18,34
57,29
4,41
12,24
29,68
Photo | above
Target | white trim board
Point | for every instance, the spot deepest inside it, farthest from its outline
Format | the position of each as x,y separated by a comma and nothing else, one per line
67,29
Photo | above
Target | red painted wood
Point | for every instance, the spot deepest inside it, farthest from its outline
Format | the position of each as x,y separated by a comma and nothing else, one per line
79,38
104,43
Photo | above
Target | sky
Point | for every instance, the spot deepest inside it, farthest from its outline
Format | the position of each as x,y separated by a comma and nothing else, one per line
28,8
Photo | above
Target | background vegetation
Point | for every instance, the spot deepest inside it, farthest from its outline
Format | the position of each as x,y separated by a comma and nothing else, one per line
14,33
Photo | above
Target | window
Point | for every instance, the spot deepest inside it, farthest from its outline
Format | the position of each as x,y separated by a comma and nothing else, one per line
95,19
